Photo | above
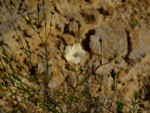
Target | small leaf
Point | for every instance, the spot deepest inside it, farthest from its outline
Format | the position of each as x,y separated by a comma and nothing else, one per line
38,8
79,25
19,27
136,95
22,48
33,70
110,59
113,73
58,44
52,13
100,40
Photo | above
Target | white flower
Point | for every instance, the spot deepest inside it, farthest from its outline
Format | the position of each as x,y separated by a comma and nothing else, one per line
74,53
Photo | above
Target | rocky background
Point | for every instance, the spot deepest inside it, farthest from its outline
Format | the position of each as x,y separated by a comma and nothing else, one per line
123,26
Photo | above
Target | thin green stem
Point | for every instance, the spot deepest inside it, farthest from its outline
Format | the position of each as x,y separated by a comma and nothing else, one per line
106,108
115,89
74,89
50,27
11,22
72,99
38,16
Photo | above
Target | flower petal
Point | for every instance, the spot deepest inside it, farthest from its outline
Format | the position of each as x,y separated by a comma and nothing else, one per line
69,57
76,60
81,53
68,50
76,47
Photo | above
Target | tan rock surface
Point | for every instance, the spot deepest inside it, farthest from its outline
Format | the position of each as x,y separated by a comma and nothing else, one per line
122,26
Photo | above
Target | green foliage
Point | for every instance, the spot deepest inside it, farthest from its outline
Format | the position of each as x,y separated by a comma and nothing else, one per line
133,22
113,73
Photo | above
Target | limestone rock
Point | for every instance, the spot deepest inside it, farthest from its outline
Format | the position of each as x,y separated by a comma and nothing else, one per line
148,1
133,2
113,37
140,43
108,20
